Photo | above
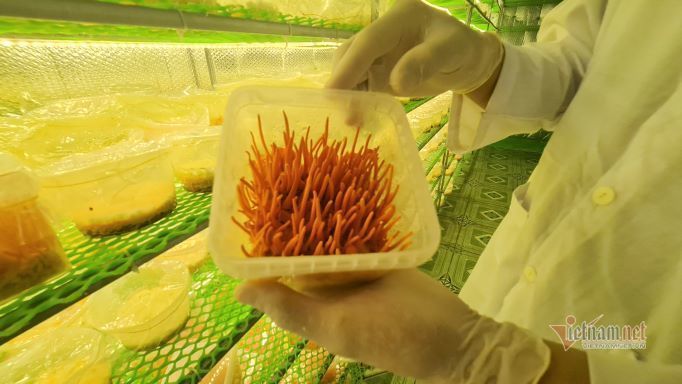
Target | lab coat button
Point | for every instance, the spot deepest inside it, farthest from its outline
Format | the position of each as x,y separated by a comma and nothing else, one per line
603,195
530,274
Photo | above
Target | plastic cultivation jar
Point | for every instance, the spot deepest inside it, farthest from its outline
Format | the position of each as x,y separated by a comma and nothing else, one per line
112,191
194,157
61,356
159,115
213,101
29,249
144,307
378,115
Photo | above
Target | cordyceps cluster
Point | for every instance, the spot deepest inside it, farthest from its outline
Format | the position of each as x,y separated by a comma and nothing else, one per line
318,197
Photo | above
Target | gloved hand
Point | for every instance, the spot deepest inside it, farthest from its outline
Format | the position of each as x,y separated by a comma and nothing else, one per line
417,49
409,324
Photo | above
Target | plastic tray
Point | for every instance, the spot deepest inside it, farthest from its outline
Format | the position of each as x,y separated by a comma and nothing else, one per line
379,115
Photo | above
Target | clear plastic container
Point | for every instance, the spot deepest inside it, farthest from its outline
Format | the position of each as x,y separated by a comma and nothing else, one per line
214,102
112,191
379,115
43,136
144,307
194,157
29,249
159,115
61,356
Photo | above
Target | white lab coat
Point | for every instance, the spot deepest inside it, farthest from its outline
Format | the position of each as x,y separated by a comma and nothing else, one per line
598,227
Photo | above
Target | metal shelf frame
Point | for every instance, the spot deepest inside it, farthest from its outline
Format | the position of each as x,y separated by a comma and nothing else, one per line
108,13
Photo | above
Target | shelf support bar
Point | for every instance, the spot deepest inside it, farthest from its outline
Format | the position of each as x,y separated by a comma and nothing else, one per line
108,13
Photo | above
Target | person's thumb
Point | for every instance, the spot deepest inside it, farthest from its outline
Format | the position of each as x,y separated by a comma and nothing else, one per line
414,68
289,309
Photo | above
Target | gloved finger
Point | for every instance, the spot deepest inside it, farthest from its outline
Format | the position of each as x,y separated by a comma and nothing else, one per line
374,41
289,309
341,51
418,64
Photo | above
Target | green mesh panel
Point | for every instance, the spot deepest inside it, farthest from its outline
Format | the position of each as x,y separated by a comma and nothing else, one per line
351,373
97,261
266,352
310,365
215,324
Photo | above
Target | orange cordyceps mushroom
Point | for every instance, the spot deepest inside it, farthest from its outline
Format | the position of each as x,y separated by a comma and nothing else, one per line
318,197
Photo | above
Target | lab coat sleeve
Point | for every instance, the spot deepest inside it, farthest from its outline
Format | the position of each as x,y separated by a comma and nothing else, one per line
608,367
537,81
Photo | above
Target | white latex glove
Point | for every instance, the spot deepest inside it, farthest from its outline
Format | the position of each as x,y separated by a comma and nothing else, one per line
417,49
409,324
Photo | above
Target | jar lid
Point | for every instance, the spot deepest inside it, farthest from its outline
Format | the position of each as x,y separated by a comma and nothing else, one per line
17,183
88,167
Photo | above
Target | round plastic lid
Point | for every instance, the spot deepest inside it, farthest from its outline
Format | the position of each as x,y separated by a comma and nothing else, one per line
113,160
17,184
140,300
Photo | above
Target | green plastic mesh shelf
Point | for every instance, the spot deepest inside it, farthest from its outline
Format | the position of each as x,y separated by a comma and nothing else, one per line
310,365
215,324
266,352
351,372
97,261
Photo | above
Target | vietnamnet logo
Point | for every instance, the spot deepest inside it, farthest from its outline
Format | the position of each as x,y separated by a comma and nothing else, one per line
593,336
